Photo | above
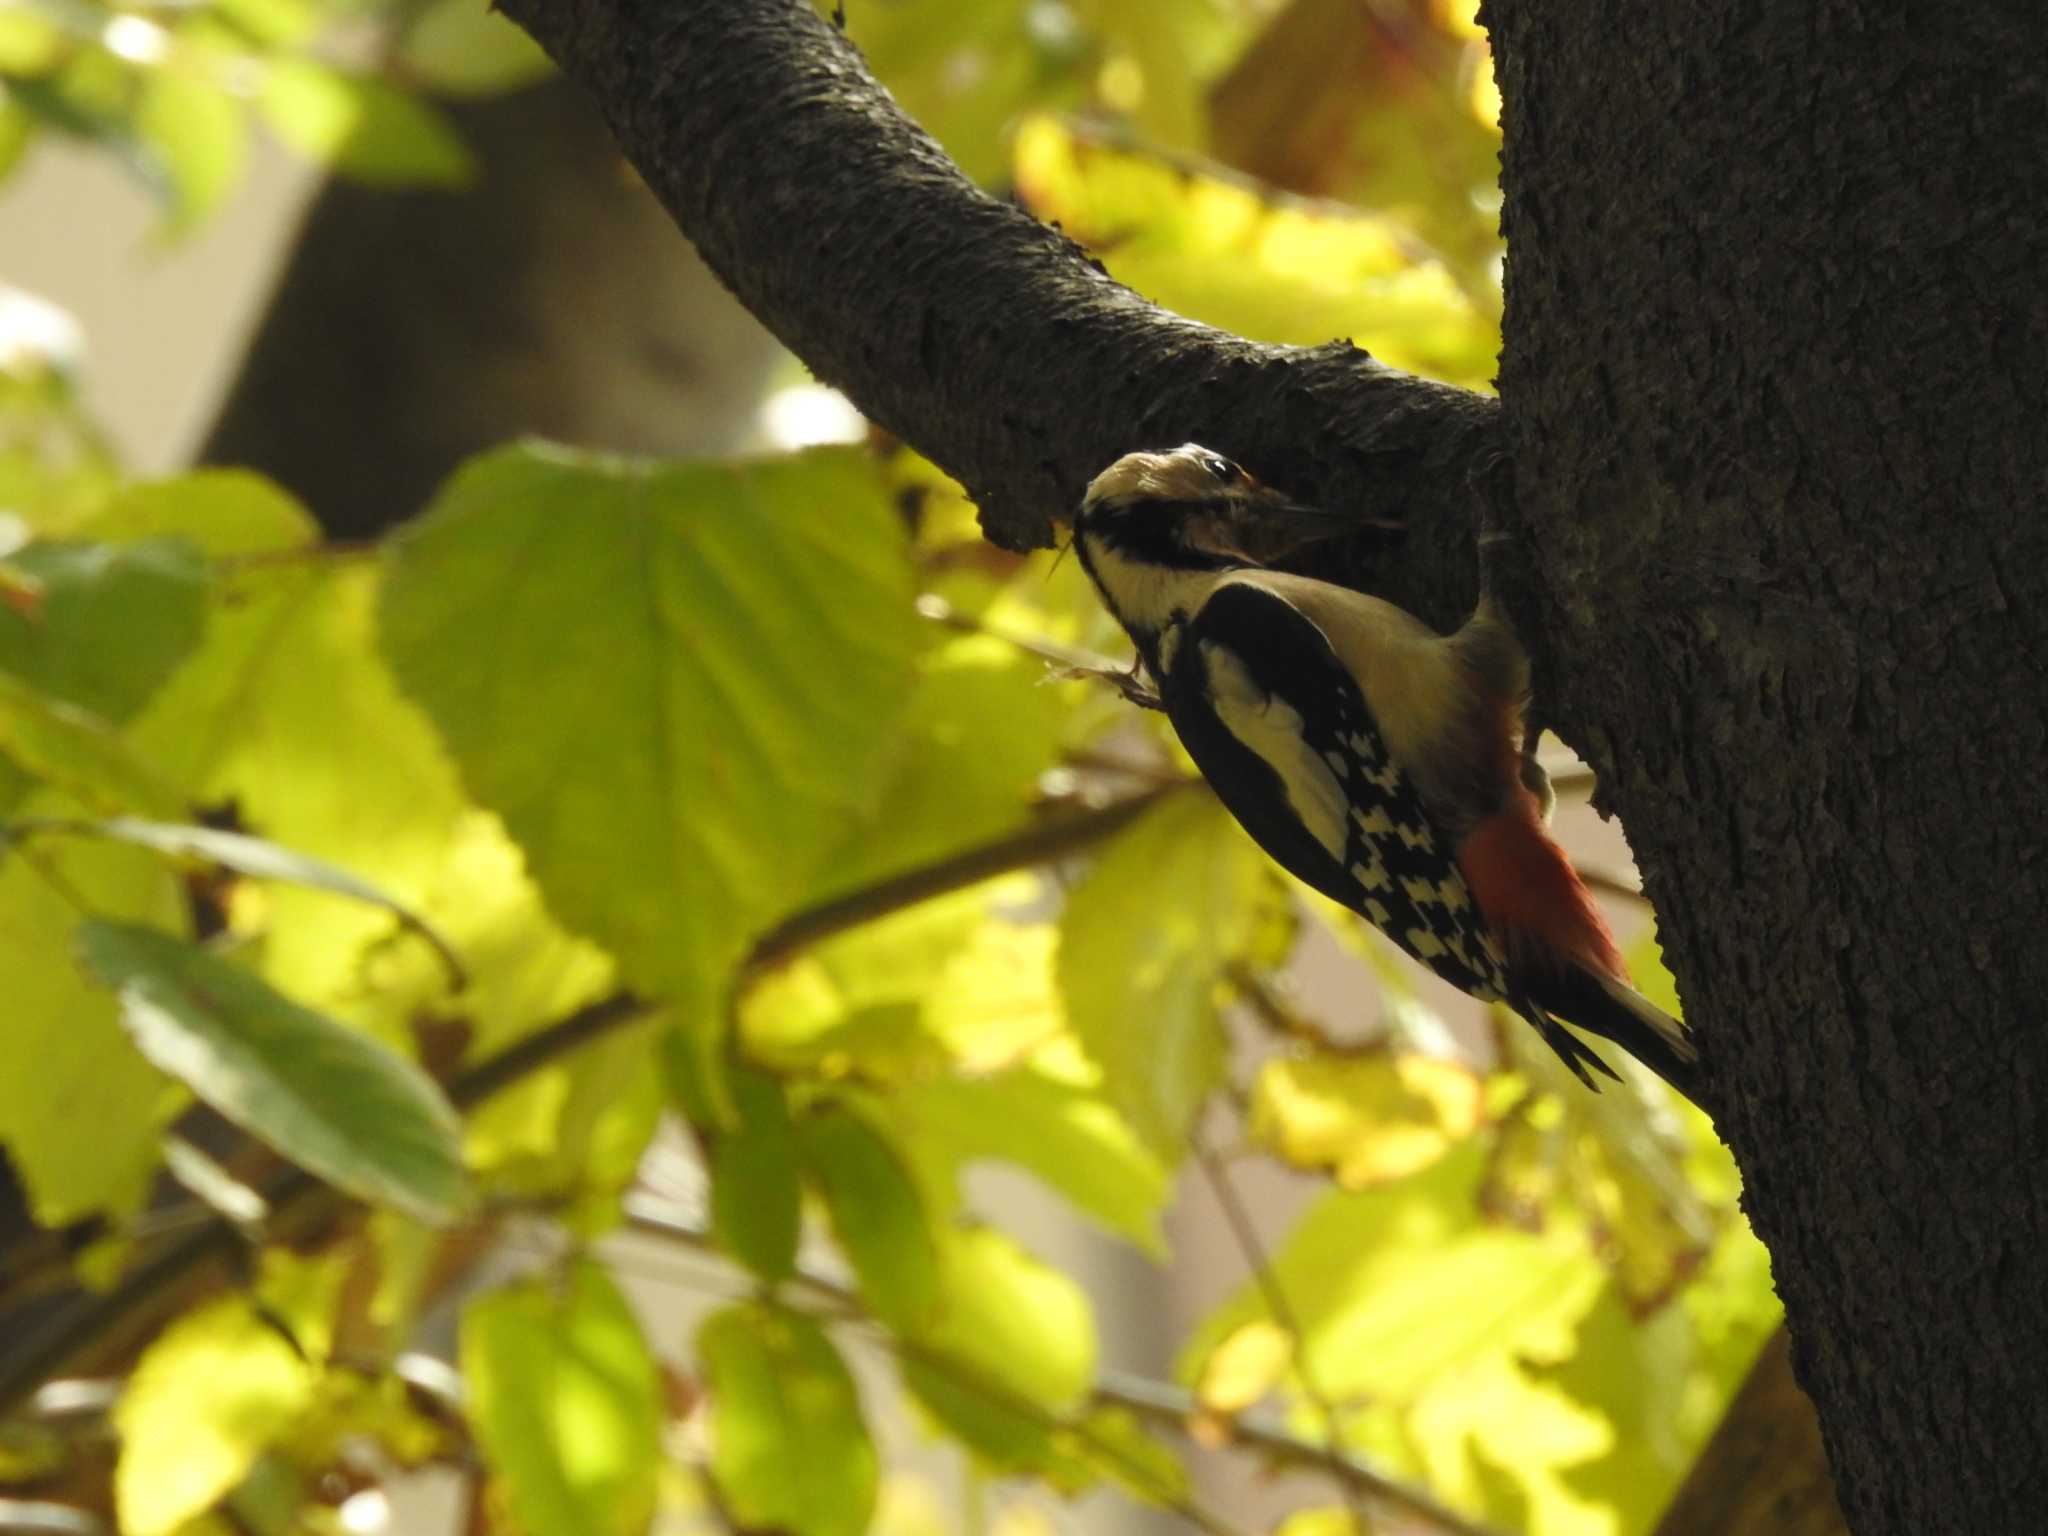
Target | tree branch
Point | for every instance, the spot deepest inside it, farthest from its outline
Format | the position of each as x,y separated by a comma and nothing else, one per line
989,342
300,1203
1164,1407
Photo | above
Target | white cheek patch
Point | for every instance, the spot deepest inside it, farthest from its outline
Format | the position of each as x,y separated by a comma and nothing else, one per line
1271,728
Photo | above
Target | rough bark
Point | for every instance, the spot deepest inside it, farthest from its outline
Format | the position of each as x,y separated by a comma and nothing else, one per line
986,340
1773,398
1764,1470
1770,407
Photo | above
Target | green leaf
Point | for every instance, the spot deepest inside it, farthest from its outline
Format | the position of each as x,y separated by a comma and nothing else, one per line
1047,1116
566,1402
369,131
862,1002
980,730
756,1196
218,1388
17,132
1012,1320
82,1127
331,1099
464,48
1144,944
66,746
790,1450
1001,1427
199,131
30,42
1394,1287
1368,1118
677,684
876,1214
288,714
1219,251
114,621
1389,108
265,861
222,512
965,71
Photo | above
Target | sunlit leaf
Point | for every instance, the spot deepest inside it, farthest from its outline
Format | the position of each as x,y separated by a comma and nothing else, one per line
1396,1285
216,1389
367,130
863,1001
222,512
566,1402
1048,1116
1372,104
60,744
1012,1320
1122,1449
965,71
1319,1522
980,729
1246,1365
1368,1118
1266,267
1145,941
756,1192
876,1214
81,1128
1636,1377
790,1449
200,132
607,1102
288,715
676,683
329,1098
265,861
30,40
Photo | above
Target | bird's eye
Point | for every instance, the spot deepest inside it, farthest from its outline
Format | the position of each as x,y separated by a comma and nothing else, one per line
1226,473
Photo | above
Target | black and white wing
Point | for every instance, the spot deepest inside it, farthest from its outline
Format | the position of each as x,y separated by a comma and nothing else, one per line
1282,732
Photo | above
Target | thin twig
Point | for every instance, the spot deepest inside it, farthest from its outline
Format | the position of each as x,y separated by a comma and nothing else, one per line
326,552
943,613
1279,1305
1174,1407
1155,1402
299,1202
1611,885
1053,838
664,1219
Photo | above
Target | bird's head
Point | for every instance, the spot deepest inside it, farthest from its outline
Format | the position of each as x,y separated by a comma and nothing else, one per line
1183,509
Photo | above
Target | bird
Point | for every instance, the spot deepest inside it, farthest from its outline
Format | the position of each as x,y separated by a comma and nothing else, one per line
1377,761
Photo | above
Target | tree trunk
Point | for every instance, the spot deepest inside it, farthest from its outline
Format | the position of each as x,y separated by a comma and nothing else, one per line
552,297
1773,399
1765,461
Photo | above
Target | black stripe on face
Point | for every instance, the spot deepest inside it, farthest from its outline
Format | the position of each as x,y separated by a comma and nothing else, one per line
1153,533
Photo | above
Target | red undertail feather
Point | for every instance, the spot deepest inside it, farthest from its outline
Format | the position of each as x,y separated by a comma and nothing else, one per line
1560,953
1532,897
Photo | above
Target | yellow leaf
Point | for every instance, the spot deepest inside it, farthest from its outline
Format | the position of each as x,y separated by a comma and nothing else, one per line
1370,1119
209,1397
1245,1366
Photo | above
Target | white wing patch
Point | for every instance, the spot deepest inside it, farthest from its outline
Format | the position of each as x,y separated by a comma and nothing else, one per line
1272,728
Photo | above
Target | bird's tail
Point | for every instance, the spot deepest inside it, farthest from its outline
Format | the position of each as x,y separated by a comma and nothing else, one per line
1563,960
1609,1007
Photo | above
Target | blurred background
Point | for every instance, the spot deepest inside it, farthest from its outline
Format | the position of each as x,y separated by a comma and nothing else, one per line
1137,1189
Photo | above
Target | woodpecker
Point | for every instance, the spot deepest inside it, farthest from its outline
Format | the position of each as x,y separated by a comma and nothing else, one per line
1377,761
